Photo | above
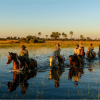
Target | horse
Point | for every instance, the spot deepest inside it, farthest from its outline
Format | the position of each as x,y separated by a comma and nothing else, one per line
17,64
54,60
74,60
90,54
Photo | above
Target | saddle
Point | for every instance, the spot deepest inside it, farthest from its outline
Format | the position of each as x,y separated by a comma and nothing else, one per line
60,58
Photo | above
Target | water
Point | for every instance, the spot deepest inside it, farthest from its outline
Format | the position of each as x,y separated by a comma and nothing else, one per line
50,83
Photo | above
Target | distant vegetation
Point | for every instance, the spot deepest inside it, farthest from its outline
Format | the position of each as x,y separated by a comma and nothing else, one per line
55,36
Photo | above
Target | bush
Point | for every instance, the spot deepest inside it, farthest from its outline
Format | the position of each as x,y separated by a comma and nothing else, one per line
23,40
34,41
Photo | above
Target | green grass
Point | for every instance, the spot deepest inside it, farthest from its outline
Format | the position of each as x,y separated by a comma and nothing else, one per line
48,44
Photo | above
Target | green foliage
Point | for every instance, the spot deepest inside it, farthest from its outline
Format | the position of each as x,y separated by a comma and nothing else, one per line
82,38
64,35
23,40
55,35
71,33
29,37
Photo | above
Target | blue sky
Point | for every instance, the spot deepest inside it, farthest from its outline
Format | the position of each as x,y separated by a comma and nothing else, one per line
28,17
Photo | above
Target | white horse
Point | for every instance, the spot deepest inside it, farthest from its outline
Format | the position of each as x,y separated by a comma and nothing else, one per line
55,62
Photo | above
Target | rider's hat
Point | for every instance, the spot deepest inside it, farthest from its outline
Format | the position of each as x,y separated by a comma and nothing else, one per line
91,44
58,44
23,46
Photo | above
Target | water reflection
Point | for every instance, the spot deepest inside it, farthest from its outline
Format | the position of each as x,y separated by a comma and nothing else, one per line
20,79
75,74
55,74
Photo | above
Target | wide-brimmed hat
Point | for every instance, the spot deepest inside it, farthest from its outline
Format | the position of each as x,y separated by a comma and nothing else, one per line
23,46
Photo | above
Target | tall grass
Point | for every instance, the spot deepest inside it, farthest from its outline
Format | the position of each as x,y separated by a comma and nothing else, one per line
64,44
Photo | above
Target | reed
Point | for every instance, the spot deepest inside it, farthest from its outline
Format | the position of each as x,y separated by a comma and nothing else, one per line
48,44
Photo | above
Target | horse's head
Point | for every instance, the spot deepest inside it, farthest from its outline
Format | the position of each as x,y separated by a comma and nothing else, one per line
11,56
73,60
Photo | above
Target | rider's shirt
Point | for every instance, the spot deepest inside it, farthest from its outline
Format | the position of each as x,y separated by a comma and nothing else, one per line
76,51
57,51
24,53
80,46
91,47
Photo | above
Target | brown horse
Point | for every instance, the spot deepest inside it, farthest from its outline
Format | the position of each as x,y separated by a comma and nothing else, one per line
17,64
90,55
74,60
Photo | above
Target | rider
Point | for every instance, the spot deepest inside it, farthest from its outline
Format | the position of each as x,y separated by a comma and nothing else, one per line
80,45
77,52
57,52
91,48
24,56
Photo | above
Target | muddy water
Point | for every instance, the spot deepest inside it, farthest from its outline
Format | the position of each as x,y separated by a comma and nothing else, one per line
49,83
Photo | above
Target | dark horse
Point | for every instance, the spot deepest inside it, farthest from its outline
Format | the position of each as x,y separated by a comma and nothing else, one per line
17,64
74,60
82,53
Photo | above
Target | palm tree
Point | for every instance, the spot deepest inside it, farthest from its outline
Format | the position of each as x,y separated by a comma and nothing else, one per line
46,36
39,34
59,34
71,33
65,35
81,36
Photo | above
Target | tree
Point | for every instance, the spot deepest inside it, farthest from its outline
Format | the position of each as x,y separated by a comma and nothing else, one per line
71,33
59,34
81,36
88,38
39,34
55,35
46,36
18,38
8,38
64,35
29,37
15,38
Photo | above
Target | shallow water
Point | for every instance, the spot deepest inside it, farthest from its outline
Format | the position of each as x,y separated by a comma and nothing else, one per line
47,82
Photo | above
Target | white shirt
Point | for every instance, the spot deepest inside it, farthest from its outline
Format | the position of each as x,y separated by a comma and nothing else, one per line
76,51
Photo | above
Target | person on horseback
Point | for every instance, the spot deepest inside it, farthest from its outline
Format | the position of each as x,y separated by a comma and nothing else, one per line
76,50
91,48
57,52
77,53
24,56
80,45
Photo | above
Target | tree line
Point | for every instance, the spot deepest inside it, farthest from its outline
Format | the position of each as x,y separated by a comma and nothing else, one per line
53,36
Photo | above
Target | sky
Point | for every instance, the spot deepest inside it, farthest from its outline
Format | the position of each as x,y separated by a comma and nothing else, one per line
28,17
